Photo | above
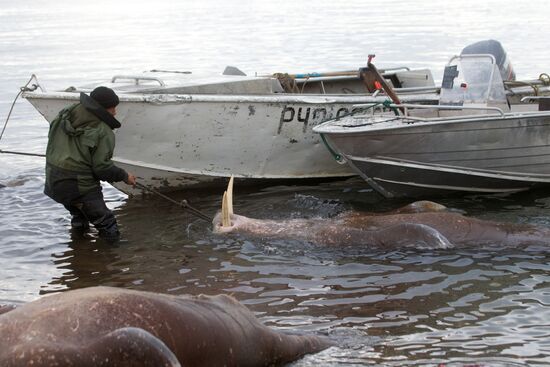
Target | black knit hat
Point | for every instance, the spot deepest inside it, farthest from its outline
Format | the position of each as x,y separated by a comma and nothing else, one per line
106,97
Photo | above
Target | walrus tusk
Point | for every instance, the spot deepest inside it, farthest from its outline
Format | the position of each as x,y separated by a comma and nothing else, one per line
226,220
227,204
230,196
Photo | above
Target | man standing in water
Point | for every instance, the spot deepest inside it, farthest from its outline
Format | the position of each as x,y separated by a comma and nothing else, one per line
80,147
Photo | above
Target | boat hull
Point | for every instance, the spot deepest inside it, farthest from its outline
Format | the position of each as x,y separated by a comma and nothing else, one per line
487,155
174,142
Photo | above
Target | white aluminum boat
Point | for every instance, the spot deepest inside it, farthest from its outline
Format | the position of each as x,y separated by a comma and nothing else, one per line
472,141
180,129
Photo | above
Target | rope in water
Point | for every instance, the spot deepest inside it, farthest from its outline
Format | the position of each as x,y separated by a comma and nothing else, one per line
24,88
182,203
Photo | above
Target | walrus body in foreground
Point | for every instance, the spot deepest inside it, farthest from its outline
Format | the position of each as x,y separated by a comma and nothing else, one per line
422,224
102,326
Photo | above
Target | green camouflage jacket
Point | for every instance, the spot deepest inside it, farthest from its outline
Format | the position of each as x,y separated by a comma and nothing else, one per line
78,156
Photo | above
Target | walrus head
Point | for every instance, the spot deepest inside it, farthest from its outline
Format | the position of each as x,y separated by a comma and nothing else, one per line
236,222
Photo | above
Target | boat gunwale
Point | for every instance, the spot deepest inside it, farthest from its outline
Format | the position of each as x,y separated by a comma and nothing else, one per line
328,127
169,98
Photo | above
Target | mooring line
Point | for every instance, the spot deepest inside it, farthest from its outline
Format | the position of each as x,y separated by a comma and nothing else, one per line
182,203
24,88
22,153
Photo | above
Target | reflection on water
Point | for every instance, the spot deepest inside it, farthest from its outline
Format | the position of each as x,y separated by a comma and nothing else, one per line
399,306
395,307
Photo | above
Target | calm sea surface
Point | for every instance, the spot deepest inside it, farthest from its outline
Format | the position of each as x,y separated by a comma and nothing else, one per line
489,305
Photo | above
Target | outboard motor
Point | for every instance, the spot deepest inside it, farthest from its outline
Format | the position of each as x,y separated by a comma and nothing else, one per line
494,48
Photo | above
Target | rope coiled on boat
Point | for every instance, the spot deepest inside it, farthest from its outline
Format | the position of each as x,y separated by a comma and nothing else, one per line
287,82
543,78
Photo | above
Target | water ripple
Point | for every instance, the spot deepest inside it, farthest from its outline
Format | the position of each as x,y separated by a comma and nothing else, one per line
473,306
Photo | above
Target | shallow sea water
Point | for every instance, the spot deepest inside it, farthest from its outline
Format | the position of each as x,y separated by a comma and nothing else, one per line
488,305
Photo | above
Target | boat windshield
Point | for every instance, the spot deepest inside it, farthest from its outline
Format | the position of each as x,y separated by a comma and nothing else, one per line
472,79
